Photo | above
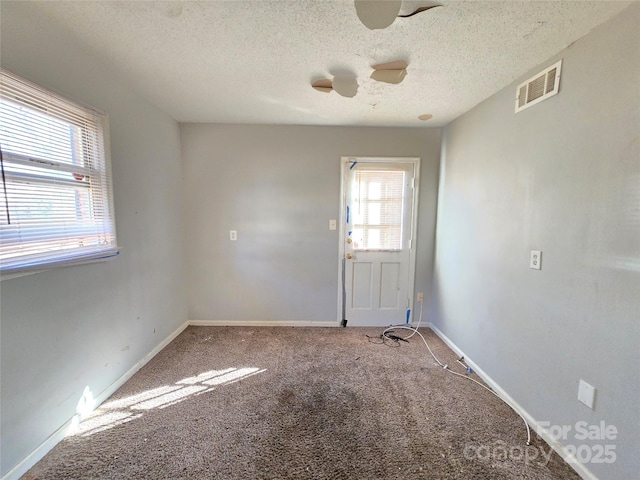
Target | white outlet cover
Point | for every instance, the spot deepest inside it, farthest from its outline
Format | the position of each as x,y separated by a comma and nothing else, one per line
233,235
332,224
586,394
536,260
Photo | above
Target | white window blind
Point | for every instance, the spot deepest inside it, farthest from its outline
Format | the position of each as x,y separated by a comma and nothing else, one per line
55,198
378,209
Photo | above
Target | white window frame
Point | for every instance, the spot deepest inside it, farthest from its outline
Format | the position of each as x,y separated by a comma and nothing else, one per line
364,202
40,166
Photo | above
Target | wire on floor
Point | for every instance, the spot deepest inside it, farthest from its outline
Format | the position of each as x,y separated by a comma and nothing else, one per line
446,367
382,340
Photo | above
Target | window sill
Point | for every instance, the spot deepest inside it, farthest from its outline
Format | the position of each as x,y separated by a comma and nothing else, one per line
44,268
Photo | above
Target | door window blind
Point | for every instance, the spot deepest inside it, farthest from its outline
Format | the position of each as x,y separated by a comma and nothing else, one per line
378,209
56,204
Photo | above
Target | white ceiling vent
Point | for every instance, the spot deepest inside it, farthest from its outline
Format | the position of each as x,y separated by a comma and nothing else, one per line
539,87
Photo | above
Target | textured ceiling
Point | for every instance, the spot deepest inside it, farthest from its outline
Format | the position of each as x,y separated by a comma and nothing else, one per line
254,61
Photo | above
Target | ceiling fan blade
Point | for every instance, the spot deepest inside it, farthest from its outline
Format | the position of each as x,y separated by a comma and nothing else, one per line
389,76
377,14
390,72
395,65
325,85
418,10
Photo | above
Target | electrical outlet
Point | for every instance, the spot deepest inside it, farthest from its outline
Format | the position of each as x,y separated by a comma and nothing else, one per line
420,296
586,394
536,260
233,235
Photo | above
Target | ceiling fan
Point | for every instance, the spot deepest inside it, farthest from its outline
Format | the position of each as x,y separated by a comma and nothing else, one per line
347,85
374,14
378,14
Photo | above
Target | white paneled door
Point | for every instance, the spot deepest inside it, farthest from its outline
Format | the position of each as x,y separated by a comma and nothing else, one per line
379,200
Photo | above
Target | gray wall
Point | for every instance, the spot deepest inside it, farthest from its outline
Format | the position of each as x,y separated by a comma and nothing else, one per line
278,186
68,328
562,177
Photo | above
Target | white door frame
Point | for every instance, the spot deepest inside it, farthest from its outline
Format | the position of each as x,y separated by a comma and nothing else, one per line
344,162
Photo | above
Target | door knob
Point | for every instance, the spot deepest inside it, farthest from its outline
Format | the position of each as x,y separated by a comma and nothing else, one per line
349,256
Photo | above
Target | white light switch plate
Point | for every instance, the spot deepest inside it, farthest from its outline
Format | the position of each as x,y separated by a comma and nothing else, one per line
586,394
332,224
536,259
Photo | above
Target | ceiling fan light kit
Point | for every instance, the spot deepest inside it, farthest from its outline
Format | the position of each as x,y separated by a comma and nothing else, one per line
376,15
379,14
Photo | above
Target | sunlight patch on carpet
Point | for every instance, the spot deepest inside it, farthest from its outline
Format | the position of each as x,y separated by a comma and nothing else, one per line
123,410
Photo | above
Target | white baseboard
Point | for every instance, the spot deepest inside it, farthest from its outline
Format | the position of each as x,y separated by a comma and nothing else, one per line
110,390
35,456
262,323
560,449
21,468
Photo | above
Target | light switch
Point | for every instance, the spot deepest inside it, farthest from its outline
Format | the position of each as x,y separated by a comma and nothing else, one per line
586,394
536,259
332,224
233,235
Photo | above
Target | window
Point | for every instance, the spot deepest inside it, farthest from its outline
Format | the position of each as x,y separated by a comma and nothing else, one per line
377,209
55,194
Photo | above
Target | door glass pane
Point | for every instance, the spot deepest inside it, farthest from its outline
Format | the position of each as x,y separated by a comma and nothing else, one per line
377,209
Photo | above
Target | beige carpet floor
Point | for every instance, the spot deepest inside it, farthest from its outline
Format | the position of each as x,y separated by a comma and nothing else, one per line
300,403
